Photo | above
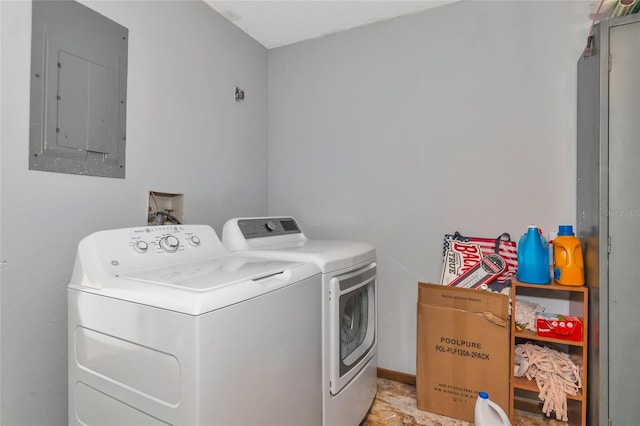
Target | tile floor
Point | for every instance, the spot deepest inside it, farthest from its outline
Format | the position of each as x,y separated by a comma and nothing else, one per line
395,405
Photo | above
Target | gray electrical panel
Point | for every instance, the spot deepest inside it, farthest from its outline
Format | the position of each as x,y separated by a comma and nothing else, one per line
608,221
78,91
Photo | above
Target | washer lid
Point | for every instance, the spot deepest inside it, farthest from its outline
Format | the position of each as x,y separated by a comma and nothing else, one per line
184,268
209,274
205,285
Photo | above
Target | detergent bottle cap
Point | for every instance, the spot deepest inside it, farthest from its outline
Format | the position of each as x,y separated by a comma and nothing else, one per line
565,230
483,395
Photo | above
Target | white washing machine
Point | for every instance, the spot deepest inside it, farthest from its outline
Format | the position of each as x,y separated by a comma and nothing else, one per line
167,327
349,307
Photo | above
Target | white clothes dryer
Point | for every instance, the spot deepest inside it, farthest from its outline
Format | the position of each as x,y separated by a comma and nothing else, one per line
349,307
167,327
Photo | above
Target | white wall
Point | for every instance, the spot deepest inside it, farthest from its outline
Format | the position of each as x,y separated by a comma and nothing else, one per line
185,133
459,118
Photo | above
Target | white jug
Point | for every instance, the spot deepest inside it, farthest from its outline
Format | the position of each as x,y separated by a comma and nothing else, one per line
488,413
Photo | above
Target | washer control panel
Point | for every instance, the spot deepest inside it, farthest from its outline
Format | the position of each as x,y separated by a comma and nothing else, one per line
164,239
134,249
268,227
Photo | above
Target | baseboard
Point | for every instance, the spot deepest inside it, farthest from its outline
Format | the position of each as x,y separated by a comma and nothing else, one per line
398,376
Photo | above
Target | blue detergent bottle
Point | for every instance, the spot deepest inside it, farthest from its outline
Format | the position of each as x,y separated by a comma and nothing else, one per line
533,258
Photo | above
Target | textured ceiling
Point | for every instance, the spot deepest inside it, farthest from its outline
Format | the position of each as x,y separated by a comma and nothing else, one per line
275,23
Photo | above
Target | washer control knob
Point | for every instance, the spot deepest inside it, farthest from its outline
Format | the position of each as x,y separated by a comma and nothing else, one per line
271,226
141,246
194,240
169,244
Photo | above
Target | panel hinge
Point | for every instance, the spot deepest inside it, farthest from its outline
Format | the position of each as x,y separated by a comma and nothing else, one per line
609,249
57,129
59,65
610,60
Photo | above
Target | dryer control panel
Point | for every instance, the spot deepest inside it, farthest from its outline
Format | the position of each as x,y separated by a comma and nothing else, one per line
268,227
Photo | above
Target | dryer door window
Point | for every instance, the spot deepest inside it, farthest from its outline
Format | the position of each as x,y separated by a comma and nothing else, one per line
354,310
353,320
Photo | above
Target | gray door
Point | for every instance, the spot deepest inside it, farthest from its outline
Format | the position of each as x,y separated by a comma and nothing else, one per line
624,225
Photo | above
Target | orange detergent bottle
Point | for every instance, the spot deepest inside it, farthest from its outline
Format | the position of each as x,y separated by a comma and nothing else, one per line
568,266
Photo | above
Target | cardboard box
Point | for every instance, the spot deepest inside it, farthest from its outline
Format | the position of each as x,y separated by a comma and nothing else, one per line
559,326
462,349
